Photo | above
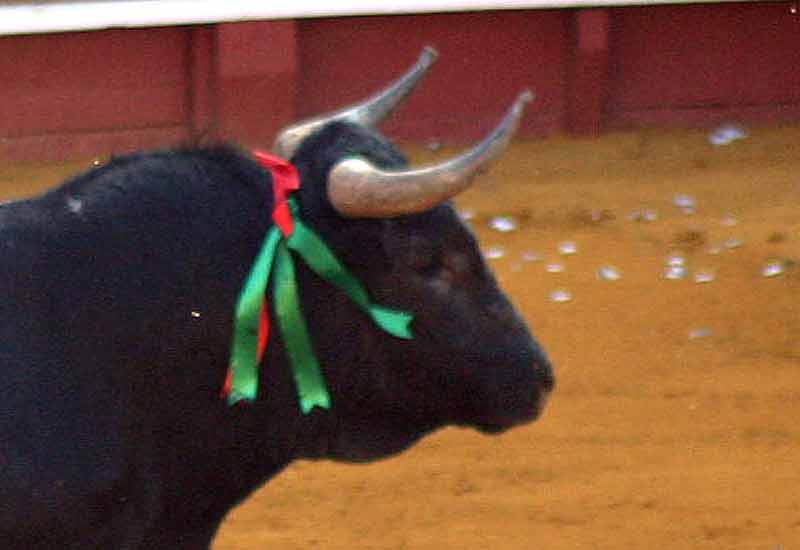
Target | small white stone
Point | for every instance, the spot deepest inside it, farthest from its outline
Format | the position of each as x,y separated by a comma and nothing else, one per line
676,260
555,268
703,276
195,314
567,248
645,215
560,295
504,224
684,201
773,269
494,252
675,272
726,134
732,243
609,273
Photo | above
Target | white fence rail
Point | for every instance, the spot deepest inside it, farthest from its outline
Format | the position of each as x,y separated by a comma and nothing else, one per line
46,16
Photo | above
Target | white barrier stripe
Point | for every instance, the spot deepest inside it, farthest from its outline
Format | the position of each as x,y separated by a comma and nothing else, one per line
60,16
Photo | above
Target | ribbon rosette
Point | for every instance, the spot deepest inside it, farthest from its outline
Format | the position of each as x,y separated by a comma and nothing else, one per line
275,260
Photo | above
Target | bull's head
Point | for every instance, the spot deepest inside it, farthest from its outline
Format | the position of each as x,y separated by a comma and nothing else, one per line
473,361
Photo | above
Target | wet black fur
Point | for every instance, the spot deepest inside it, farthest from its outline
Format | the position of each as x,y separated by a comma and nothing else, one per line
112,431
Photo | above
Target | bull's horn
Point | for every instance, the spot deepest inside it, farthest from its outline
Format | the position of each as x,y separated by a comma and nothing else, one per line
369,112
357,189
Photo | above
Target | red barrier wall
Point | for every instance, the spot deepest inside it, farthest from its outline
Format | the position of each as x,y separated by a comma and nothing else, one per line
700,64
485,60
83,94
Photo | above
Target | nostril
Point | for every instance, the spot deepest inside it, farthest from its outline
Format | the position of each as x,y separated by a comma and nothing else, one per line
547,380
548,384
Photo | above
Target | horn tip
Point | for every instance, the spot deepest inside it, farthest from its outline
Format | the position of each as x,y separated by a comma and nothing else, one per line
428,55
526,97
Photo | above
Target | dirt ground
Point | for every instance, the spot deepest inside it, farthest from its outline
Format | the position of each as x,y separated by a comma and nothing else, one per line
676,421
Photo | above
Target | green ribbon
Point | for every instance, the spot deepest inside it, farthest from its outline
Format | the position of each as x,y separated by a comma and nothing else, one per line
275,259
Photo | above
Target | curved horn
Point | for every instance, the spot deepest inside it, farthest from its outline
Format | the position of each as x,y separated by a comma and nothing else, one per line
356,188
369,112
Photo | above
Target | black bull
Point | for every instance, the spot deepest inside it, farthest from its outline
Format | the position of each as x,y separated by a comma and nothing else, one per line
118,293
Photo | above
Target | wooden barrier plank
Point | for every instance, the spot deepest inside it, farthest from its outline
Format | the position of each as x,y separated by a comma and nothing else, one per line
589,79
257,80
94,81
485,60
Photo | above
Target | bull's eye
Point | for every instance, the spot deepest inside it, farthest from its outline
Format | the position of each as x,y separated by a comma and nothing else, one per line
451,270
425,260
427,266
457,263
430,266
440,264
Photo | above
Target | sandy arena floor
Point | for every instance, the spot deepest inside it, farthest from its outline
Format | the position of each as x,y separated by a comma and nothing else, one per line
676,423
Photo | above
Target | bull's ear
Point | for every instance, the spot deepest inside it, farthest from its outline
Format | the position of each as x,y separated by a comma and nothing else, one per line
368,113
359,189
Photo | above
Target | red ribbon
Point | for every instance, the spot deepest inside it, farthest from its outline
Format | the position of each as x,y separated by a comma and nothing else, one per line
285,180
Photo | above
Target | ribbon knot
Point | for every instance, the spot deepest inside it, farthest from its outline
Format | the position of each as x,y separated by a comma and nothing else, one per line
274,260
285,180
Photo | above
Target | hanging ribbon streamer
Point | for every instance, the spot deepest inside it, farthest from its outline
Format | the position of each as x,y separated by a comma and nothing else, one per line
251,324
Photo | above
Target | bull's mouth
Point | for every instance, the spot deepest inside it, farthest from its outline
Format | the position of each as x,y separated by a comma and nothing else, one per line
502,423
